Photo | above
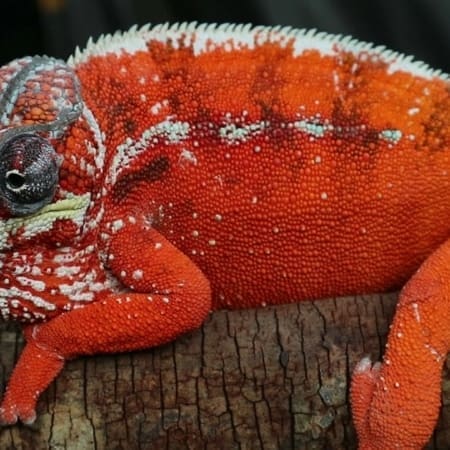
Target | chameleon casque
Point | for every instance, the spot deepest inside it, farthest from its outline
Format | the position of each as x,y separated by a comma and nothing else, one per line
166,172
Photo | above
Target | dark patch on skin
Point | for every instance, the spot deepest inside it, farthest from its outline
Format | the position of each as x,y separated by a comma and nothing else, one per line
268,82
153,171
163,53
348,128
355,142
130,126
436,134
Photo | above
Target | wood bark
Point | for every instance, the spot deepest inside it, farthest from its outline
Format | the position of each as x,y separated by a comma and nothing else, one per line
272,378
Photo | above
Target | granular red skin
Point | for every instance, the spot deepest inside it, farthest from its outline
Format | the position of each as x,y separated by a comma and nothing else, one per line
278,178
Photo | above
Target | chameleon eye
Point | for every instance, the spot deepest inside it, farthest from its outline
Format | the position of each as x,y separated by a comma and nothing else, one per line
28,174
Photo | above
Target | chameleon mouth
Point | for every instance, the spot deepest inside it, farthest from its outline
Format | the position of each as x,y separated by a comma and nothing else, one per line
65,208
73,208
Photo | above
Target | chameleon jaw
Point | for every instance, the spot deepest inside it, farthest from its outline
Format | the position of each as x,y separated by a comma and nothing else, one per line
71,208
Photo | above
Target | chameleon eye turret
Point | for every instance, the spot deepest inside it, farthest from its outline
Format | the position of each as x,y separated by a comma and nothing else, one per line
28,174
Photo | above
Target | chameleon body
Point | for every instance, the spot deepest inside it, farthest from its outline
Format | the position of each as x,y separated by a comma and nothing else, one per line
205,167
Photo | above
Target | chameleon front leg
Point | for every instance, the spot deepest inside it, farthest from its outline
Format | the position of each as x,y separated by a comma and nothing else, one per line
169,296
396,404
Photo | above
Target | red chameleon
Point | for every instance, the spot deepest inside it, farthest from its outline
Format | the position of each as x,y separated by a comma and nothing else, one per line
170,171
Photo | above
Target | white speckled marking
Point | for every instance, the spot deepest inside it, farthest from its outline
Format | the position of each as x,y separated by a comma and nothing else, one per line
138,274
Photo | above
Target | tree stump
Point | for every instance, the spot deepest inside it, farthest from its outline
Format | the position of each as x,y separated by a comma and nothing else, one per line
272,378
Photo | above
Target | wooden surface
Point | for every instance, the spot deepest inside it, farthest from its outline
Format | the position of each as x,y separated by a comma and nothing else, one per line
273,378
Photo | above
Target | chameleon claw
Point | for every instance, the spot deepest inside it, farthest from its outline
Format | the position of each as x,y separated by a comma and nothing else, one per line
364,381
8,416
363,365
28,418
11,415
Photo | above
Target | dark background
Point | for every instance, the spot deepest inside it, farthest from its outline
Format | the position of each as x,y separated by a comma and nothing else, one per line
55,27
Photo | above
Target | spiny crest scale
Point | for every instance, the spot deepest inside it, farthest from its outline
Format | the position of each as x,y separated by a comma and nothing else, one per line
136,39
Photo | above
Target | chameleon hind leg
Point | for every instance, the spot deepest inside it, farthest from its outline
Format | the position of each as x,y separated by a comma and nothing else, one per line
396,404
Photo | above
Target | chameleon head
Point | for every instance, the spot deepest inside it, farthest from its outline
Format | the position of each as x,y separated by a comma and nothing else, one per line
45,196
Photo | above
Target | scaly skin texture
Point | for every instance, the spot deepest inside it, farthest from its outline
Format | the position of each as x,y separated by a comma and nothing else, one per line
204,168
